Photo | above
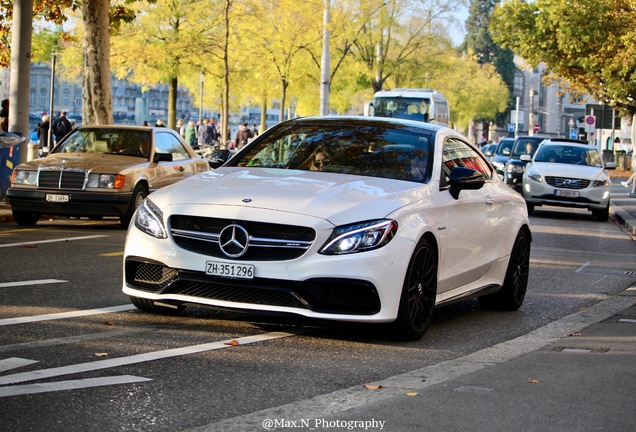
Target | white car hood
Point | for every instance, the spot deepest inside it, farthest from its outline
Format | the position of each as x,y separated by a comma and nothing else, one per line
338,198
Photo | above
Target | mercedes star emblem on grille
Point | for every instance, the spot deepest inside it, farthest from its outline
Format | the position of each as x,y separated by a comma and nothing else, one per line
234,240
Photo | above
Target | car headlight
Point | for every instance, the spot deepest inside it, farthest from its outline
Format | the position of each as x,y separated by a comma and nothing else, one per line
360,237
106,181
514,168
601,183
149,219
498,166
536,177
23,177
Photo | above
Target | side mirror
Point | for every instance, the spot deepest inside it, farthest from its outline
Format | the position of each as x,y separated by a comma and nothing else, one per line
505,152
610,165
525,158
368,110
464,179
218,158
162,157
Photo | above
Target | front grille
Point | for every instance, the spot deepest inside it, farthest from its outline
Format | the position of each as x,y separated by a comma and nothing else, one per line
327,295
61,179
267,241
567,183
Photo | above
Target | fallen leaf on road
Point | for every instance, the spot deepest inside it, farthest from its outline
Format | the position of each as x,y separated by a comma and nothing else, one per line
101,354
233,342
109,323
412,394
574,334
372,387
533,381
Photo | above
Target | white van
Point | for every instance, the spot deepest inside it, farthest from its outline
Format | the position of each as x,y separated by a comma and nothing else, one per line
411,104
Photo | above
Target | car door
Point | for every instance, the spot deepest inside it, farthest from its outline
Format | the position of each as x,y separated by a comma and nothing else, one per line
470,222
182,164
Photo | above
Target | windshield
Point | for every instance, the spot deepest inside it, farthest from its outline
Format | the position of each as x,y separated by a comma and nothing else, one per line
342,148
570,155
403,108
505,145
110,140
525,146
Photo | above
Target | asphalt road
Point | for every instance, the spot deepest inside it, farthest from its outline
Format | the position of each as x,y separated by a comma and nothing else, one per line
75,355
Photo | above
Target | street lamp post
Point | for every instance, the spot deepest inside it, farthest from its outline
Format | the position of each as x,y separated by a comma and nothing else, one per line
51,100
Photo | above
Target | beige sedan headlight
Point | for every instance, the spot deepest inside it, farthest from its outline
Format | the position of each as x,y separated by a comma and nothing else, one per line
23,177
106,181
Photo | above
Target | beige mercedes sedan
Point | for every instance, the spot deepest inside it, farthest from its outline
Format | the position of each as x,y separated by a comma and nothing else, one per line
99,171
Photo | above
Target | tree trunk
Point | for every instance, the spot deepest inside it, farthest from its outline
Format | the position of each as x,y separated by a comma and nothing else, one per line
283,96
172,103
96,91
263,126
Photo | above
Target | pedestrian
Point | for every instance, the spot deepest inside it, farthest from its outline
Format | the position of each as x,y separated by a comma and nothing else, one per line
202,132
43,133
159,123
629,181
61,126
254,131
145,123
191,134
4,116
243,136
214,132
181,128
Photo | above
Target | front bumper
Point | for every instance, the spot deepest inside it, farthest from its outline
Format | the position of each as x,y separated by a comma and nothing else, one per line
539,193
80,203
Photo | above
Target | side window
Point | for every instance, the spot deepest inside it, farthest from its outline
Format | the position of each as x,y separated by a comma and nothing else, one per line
168,143
459,154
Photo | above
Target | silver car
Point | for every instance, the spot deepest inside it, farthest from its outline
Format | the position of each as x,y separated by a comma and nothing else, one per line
567,174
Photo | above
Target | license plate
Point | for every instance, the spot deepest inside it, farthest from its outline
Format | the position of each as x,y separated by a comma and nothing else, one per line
566,193
241,271
57,198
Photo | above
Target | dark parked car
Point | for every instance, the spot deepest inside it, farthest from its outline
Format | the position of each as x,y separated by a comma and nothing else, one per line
501,155
523,145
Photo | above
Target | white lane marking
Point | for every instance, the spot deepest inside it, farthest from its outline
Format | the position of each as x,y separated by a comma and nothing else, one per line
625,320
580,269
51,241
138,358
62,315
14,362
69,385
31,282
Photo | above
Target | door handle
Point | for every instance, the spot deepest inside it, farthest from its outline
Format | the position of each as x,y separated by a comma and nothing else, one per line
490,200
181,169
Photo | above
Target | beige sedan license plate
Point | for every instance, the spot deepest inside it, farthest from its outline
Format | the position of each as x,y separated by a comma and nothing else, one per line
241,271
57,198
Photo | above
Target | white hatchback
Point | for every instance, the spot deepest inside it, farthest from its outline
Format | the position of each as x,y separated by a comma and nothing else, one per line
568,174
340,218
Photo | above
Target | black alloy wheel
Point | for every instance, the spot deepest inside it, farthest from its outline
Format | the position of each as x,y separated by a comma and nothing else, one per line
513,291
418,293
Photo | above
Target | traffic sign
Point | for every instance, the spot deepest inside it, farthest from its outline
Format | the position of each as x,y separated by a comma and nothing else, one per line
590,120
537,128
573,133
590,124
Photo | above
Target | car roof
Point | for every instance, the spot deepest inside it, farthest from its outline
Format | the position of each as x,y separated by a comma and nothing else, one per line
371,121
565,141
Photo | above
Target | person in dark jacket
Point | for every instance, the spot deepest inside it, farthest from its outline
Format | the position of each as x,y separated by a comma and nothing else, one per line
43,131
4,116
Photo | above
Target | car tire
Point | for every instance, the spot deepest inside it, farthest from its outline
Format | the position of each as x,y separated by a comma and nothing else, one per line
601,215
530,208
138,196
150,306
25,218
513,291
419,290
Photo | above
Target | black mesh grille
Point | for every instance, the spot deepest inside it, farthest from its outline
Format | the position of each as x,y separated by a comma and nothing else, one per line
330,295
62,179
261,230
567,183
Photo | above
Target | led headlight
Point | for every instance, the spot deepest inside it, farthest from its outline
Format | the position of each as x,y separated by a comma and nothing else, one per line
360,237
514,168
536,177
23,177
105,181
149,219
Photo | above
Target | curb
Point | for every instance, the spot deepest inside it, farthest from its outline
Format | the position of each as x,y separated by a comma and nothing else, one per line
623,218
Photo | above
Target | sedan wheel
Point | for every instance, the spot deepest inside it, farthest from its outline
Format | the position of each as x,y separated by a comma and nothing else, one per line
139,194
25,218
513,291
418,293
